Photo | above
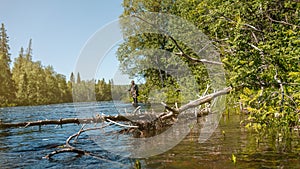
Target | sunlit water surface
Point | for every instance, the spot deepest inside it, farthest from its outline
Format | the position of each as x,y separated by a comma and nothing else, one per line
26,147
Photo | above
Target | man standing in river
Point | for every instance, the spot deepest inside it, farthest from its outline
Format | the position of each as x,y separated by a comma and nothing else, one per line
134,91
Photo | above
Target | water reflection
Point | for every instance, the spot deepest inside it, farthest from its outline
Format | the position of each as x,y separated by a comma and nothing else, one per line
229,138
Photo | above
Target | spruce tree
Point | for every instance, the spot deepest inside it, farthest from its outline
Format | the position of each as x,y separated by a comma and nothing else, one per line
19,77
29,51
70,86
78,78
7,88
72,78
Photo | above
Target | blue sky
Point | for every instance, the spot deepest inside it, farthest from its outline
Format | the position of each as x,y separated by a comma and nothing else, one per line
59,29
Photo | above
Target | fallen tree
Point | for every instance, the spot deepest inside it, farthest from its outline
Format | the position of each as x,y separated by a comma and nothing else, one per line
136,122
137,119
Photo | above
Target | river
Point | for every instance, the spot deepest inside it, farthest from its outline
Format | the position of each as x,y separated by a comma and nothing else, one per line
26,147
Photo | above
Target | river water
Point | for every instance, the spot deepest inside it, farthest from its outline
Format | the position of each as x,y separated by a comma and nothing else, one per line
26,147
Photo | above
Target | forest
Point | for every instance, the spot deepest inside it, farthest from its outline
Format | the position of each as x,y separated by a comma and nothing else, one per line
28,82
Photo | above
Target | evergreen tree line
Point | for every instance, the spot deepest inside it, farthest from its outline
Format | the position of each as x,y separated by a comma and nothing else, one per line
90,90
31,83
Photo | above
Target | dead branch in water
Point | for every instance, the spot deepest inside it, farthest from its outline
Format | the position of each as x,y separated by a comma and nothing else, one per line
139,121
68,148
97,119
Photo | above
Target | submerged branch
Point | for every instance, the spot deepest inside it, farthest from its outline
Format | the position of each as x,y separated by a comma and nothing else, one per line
71,149
66,150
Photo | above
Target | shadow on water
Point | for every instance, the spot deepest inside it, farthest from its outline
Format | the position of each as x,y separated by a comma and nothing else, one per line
25,147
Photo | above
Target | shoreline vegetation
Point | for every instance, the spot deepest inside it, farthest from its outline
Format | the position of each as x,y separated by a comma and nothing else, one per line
258,43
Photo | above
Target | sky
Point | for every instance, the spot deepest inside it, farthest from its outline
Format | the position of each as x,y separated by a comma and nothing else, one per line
60,30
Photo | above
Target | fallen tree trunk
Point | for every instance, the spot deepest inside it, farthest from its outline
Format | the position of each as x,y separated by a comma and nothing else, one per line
142,121
78,121
139,123
201,100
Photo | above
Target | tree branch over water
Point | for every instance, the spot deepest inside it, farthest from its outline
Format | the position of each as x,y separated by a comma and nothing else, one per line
182,52
97,119
138,120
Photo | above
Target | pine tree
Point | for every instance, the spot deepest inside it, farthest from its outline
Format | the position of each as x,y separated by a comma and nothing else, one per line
29,51
72,78
70,87
20,78
29,78
7,88
78,78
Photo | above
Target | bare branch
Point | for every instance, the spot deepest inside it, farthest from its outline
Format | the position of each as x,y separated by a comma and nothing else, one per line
206,90
253,34
182,53
198,60
281,89
136,109
245,24
170,114
250,26
82,131
204,99
199,101
255,47
65,150
282,22
292,84
170,108
122,125
72,149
